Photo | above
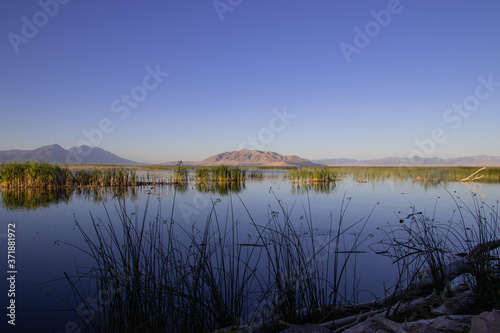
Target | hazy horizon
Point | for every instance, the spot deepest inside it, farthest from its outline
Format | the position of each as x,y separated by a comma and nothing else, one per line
156,82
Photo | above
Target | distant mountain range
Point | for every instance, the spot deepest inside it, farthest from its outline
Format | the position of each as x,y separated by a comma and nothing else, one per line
58,155
87,155
480,160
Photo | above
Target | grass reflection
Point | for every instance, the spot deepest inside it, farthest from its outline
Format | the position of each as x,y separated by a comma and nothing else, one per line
31,199
34,198
220,187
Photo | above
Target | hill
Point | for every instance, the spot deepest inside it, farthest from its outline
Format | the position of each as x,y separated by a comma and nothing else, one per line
248,158
58,155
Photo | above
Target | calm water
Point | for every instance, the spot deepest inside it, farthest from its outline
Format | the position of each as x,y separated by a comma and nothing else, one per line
43,220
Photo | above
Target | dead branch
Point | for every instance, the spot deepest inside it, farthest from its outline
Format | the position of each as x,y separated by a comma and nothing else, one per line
472,175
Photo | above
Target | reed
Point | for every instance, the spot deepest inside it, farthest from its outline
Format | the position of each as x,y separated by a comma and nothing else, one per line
153,281
221,173
45,175
312,175
307,274
32,174
419,174
181,173
422,245
161,276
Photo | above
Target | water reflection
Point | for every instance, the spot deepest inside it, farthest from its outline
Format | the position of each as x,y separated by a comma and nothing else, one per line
304,188
221,188
103,194
33,198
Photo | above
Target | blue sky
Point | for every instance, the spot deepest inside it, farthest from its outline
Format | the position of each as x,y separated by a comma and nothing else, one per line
318,79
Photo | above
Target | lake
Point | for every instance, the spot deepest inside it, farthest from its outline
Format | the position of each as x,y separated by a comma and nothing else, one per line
48,243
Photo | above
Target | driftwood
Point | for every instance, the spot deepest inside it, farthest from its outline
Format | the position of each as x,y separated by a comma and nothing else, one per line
465,264
470,178
451,271
349,321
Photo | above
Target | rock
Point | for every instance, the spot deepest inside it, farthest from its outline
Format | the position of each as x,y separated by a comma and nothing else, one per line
486,322
377,324
308,328
452,323
441,324
422,327
456,305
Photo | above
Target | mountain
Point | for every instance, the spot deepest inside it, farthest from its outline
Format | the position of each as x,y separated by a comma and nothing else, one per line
246,157
480,161
57,154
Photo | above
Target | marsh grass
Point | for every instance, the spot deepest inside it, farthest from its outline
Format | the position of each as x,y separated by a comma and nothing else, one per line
166,276
220,173
307,273
181,173
422,245
312,175
45,175
158,282
418,174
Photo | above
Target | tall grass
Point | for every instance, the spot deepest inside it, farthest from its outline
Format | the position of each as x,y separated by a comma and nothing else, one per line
165,276
181,173
307,274
33,174
158,282
220,173
45,175
312,175
418,174
422,245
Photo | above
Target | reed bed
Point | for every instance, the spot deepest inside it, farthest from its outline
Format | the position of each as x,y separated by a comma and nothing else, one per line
45,175
221,173
165,276
312,175
181,173
419,174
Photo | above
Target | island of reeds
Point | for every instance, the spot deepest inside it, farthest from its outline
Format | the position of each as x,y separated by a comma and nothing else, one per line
221,173
45,175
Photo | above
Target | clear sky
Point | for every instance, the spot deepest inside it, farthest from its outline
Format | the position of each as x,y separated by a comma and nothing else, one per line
314,78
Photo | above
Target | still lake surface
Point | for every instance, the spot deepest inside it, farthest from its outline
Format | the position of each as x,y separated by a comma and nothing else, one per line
45,226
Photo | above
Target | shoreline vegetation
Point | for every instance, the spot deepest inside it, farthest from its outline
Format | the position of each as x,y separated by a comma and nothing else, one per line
156,275
45,175
162,275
